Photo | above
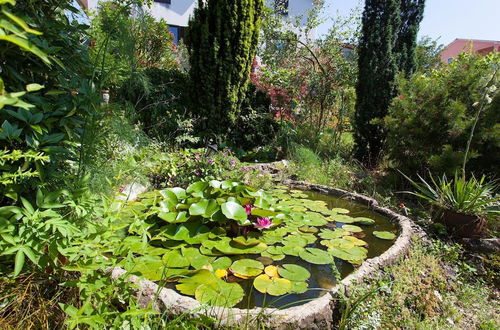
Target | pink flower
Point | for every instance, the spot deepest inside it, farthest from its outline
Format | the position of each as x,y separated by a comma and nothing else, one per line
263,223
248,209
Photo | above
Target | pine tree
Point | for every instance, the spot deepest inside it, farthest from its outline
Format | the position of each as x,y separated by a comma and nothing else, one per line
378,66
412,13
222,40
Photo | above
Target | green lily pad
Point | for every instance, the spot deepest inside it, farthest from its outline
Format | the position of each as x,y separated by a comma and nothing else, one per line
338,243
316,256
204,207
233,248
275,257
299,287
331,234
308,229
250,241
354,255
342,218
352,229
174,259
222,263
355,240
273,286
364,221
247,267
223,294
292,250
234,211
294,240
189,284
196,259
339,210
263,213
294,272
384,235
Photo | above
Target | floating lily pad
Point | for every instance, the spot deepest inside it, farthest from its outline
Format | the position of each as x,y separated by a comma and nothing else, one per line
338,243
222,294
234,211
384,235
222,263
352,229
246,241
294,272
355,240
330,234
354,255
308,229
342,218
299,287
364,221
292,250
295,240
174,259
272,286
271,271
316,256
275,257
247,267
339,210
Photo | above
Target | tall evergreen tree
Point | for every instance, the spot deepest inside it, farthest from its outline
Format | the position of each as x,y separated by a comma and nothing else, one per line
222,40
412,13
378,66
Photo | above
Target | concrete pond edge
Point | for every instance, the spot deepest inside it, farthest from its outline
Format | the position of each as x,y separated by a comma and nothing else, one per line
315,314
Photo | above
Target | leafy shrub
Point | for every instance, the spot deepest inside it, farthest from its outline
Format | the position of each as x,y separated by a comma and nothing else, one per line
124,44
162,105
255,125
430,121
41,124
186,166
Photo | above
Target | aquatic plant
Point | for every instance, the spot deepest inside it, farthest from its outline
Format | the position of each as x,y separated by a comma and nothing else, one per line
212,236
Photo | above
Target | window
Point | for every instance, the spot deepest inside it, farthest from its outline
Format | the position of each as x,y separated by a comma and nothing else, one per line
178,32
163,1
281,7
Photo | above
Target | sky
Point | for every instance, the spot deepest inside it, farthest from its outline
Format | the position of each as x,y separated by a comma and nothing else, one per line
443,19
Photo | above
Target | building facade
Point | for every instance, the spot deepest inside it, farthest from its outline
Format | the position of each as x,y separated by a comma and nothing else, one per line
458,46
177,12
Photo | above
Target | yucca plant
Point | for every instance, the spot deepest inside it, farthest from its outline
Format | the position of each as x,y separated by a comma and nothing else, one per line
467,196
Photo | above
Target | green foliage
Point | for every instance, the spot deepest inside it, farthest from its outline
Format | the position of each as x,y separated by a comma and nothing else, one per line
412,13
123,44
182,167
468,196
429,123
428,54
378,65
161,101
189,235
40,123
222,39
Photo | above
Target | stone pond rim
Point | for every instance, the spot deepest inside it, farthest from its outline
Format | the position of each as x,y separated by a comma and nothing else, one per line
316,314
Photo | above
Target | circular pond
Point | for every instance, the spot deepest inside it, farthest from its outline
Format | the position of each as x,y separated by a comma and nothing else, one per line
231,245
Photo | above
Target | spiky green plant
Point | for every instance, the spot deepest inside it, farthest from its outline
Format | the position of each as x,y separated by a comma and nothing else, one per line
468,196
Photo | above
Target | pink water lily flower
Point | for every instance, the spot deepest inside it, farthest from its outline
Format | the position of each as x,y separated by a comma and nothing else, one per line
263,223
248,209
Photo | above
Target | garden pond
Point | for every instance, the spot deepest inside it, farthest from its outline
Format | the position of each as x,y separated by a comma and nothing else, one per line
228,244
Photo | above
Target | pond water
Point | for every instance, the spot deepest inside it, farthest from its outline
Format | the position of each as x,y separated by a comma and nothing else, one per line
323,277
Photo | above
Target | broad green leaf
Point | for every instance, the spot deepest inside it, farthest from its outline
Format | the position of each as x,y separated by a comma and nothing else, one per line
384,235
352,229
247,267
222,294
316,256
294,272
272,286
234,211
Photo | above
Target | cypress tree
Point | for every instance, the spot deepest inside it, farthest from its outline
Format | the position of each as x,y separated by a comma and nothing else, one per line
378,66
222,40
412,13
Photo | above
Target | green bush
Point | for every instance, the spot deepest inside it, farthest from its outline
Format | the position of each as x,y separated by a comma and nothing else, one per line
162,105
181,168
430,121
